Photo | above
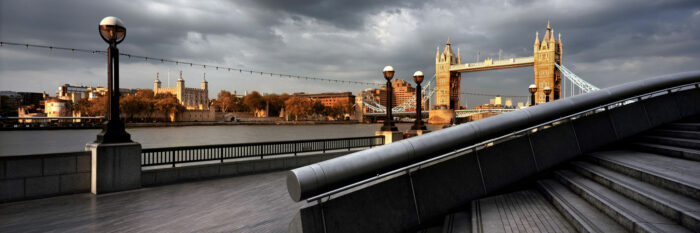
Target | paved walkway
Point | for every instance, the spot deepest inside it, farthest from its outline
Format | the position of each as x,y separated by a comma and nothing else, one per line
256,203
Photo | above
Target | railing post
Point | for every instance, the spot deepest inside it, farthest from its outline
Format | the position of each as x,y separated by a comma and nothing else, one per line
295,148
172,156
261,151
221,154
324,146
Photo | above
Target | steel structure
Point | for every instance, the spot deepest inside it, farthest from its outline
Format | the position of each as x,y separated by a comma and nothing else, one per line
586,87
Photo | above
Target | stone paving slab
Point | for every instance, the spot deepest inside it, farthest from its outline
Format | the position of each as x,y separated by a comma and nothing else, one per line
255,203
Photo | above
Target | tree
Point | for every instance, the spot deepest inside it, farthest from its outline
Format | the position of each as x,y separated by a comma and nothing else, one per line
167,103
254,101
297,106
341,108
318,108
130,105
275,103
148,102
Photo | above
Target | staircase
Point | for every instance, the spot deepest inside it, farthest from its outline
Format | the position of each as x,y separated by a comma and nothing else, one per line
650,185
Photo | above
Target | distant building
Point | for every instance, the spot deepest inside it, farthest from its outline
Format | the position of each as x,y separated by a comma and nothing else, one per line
402,91
329,99
10,100
55,107
509,103
191,98
521,105
75,93
32,98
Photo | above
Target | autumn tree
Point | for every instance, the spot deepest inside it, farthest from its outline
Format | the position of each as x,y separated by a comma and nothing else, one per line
167,103
130,105
254,101
148,105
297,106
318,108
275,103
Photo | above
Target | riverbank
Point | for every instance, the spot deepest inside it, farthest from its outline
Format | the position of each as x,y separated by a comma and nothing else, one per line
36,126
210,123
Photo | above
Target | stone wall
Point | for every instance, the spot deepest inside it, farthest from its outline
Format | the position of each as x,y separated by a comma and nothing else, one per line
45,175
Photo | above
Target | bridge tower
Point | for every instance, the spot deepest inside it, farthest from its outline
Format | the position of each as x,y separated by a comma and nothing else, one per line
447,87
546,53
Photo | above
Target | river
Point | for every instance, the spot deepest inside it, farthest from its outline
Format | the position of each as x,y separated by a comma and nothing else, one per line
54,141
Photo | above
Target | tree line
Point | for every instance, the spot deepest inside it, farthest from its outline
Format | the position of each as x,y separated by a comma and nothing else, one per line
295,106
144,105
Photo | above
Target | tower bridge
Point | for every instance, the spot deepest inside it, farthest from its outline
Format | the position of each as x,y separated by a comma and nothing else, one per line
547,62
449,69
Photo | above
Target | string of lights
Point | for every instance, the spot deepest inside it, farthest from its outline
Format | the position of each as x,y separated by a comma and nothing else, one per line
191,64
218,68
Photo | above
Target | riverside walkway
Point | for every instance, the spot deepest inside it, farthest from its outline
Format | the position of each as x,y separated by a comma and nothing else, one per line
255,203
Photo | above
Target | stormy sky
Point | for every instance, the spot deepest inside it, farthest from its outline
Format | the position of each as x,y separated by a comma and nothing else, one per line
605,42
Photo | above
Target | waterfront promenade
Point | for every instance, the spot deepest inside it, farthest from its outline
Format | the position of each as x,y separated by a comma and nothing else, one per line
254,203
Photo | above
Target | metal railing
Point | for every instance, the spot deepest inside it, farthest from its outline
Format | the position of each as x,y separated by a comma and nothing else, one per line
189,154
490,142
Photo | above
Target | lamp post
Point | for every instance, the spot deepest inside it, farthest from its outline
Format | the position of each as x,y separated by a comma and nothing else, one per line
418,78
547,91
532,89
388,123
112,31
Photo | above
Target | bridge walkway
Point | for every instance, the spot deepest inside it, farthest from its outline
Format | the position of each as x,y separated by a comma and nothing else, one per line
255,203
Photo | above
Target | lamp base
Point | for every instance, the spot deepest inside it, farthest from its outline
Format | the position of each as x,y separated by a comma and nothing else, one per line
113,132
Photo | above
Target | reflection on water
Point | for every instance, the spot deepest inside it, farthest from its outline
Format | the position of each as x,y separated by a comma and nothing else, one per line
53,141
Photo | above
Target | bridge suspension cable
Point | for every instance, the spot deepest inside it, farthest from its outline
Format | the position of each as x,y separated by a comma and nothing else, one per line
191,64
586,87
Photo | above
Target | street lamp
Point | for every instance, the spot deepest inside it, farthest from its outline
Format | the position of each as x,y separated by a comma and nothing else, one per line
388,123
532,89
547,91
418,78
112,31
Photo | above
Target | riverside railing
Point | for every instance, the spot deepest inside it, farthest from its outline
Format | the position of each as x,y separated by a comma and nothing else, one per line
189,154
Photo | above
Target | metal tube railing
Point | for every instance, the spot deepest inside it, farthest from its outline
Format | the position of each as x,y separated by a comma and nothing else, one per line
340,174
189,154
466,150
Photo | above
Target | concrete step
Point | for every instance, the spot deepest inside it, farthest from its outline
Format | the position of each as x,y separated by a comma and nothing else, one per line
673,151
632,215
688,126
581,214
677,175
679,208
672,141
522,211
676,133
459,222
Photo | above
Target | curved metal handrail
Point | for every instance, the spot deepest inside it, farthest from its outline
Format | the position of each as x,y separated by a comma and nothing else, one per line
313,182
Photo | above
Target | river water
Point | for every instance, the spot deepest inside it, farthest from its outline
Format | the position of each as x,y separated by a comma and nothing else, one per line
55,141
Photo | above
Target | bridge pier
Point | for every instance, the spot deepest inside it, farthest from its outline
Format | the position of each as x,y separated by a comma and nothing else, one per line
441,116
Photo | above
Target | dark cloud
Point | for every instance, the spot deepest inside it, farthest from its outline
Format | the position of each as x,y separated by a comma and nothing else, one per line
605,42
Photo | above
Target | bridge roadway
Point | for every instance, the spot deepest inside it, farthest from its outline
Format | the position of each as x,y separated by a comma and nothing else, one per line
255,203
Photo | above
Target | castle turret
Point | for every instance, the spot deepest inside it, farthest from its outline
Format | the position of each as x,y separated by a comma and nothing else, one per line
537,40
180,88
205,84
156,84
